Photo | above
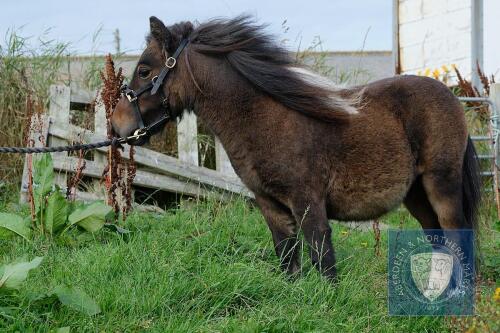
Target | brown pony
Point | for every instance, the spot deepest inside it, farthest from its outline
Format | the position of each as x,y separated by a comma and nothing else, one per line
308,150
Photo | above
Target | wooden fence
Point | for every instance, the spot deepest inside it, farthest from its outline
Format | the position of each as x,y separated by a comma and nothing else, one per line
158,171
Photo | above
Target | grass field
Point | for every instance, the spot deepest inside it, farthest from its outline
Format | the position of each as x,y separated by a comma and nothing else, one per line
208,267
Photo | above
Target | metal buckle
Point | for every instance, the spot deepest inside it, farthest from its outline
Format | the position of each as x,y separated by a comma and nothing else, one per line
131,96
170,62
138,133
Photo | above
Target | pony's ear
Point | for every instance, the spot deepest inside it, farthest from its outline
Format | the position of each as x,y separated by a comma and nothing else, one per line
159,31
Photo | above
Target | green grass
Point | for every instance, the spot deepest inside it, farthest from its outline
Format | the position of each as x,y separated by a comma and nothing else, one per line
208,267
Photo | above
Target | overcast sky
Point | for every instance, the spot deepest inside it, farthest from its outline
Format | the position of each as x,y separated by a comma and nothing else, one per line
341,24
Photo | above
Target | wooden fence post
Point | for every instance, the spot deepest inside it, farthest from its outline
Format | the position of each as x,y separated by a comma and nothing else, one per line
59,114
187,141
38,136
495,98
101,129
222,163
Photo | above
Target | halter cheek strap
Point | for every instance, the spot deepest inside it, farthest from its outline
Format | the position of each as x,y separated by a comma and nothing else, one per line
155,84
169,64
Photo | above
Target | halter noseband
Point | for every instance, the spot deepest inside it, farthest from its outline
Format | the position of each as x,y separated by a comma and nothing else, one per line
154,86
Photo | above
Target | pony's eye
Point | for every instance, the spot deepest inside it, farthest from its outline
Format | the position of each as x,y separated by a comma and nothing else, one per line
144,73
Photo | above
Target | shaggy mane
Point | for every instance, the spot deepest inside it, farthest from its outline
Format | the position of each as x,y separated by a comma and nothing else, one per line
257,57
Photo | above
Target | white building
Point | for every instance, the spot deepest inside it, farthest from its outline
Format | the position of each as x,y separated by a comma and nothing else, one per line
431,33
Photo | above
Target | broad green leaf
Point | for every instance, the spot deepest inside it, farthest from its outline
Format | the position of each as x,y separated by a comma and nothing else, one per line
74,205
43,179
117,229
56,212
43,175
11,224
90,217
77,299
13,275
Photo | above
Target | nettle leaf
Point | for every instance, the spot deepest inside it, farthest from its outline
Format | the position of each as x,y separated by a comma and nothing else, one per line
77,299
12,224
90,217
56,212
13,275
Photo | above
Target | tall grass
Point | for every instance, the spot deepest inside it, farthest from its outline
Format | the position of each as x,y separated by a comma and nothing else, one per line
26,72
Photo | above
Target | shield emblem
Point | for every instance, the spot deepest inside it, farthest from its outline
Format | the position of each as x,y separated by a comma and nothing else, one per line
431,273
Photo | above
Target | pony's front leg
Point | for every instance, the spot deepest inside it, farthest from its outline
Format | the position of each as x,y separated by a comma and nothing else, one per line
284,230
313,221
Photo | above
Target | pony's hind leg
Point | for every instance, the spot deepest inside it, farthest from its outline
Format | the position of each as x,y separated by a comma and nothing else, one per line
444,192
284,231
418,203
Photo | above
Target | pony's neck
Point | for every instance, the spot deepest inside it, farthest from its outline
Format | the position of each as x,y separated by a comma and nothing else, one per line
226,102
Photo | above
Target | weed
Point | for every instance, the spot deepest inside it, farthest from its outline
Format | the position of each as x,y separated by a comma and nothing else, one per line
119,173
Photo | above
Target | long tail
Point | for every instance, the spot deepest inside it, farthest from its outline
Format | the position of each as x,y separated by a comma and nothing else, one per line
471,185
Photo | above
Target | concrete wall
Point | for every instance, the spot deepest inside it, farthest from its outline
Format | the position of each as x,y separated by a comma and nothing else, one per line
433,33
360,67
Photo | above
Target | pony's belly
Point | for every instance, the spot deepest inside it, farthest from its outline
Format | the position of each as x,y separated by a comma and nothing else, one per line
364,203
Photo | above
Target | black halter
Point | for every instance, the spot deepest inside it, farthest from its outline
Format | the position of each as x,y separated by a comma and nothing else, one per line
154,86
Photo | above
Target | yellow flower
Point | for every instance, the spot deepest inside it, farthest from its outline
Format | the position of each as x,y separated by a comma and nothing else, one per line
496,297
344,232
445,69
427,72
435,73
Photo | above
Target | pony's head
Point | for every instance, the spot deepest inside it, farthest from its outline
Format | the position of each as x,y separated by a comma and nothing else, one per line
155,91
230,60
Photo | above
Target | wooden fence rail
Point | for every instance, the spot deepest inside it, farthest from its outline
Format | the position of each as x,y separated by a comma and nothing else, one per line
180,175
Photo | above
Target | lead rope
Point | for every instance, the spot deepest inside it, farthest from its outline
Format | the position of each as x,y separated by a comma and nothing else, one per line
87,146
81,146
